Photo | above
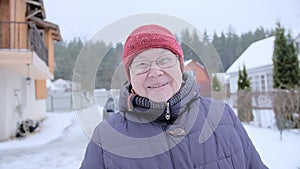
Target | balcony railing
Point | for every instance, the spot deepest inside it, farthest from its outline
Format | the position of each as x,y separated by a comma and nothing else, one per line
22,36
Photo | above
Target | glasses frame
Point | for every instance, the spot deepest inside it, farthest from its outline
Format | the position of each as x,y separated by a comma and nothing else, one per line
150,64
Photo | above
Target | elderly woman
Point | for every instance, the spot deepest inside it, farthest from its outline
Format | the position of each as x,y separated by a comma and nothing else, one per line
163,121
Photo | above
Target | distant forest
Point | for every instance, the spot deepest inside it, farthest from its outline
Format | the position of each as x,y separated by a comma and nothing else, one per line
228,46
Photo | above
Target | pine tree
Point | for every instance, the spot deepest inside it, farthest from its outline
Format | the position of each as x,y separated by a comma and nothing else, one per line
244,102
286,71
216,84
243,81
294,62
286,79
188,41
65,56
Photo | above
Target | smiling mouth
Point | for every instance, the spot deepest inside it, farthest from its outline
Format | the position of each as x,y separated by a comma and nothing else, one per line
158,86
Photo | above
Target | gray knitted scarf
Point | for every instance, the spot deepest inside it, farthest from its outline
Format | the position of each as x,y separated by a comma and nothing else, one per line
143,102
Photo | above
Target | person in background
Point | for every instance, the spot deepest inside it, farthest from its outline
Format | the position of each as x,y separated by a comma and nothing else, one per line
109,108
163,122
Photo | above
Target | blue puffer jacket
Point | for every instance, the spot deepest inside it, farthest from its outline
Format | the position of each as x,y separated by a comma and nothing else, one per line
201,133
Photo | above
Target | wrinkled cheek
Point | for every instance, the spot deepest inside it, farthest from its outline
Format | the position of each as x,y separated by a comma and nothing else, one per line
176,86
139,90
138,86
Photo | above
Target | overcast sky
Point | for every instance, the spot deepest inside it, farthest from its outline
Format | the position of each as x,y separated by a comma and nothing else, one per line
83,18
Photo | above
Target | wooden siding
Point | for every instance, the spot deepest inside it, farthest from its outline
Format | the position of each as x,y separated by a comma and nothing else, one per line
49,42
201,76
40,89
4,16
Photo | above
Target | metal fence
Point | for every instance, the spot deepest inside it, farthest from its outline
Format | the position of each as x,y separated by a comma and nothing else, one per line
68,101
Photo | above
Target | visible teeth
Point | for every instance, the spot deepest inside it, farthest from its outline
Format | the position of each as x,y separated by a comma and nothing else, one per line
157,86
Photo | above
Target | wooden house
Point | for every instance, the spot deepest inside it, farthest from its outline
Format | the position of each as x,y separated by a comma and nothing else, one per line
200,74
26,62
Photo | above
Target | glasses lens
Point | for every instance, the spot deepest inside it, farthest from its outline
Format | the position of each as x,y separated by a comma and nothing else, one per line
166,61
140,67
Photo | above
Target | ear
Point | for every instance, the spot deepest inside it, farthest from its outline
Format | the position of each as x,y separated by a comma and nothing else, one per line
130,89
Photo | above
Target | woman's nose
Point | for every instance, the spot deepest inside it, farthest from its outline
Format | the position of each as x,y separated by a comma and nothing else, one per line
155,71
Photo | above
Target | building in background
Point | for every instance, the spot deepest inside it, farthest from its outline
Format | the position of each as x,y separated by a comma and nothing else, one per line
26,62
259,65
200,74
297,41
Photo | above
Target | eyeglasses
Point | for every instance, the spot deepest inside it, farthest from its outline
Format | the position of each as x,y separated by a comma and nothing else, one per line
144,66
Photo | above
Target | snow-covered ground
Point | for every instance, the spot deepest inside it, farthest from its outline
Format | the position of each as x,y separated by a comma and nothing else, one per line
61,142
276,153
49,130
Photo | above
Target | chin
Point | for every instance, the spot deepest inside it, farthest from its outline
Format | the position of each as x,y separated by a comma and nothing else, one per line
159,97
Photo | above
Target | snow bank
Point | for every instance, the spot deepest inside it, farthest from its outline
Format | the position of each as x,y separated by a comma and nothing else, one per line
49,130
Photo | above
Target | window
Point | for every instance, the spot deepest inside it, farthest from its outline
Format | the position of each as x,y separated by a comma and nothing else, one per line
269,81
256,86
252,82
263,83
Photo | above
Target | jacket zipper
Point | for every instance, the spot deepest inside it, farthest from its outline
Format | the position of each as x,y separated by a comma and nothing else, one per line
168,143
167,114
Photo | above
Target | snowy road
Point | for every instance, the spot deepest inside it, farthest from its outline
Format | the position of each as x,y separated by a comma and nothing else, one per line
66,152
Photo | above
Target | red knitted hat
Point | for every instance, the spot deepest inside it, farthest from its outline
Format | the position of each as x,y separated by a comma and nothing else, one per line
147,37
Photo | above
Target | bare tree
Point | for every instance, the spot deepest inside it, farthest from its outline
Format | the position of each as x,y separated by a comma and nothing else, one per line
244,105
286,106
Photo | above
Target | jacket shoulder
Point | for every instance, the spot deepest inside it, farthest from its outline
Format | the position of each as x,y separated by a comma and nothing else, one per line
217,111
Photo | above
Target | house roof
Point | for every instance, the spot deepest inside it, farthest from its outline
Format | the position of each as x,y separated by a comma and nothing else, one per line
62,82
258,54
47,25
187,62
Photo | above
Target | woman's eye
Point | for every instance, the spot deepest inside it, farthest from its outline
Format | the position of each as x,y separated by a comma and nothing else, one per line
164,61
141,65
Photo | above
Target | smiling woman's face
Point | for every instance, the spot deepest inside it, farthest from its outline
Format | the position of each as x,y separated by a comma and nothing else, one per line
158,84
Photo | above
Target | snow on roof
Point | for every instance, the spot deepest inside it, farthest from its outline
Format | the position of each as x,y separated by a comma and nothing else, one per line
188,62
61,81
258,54
49,84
